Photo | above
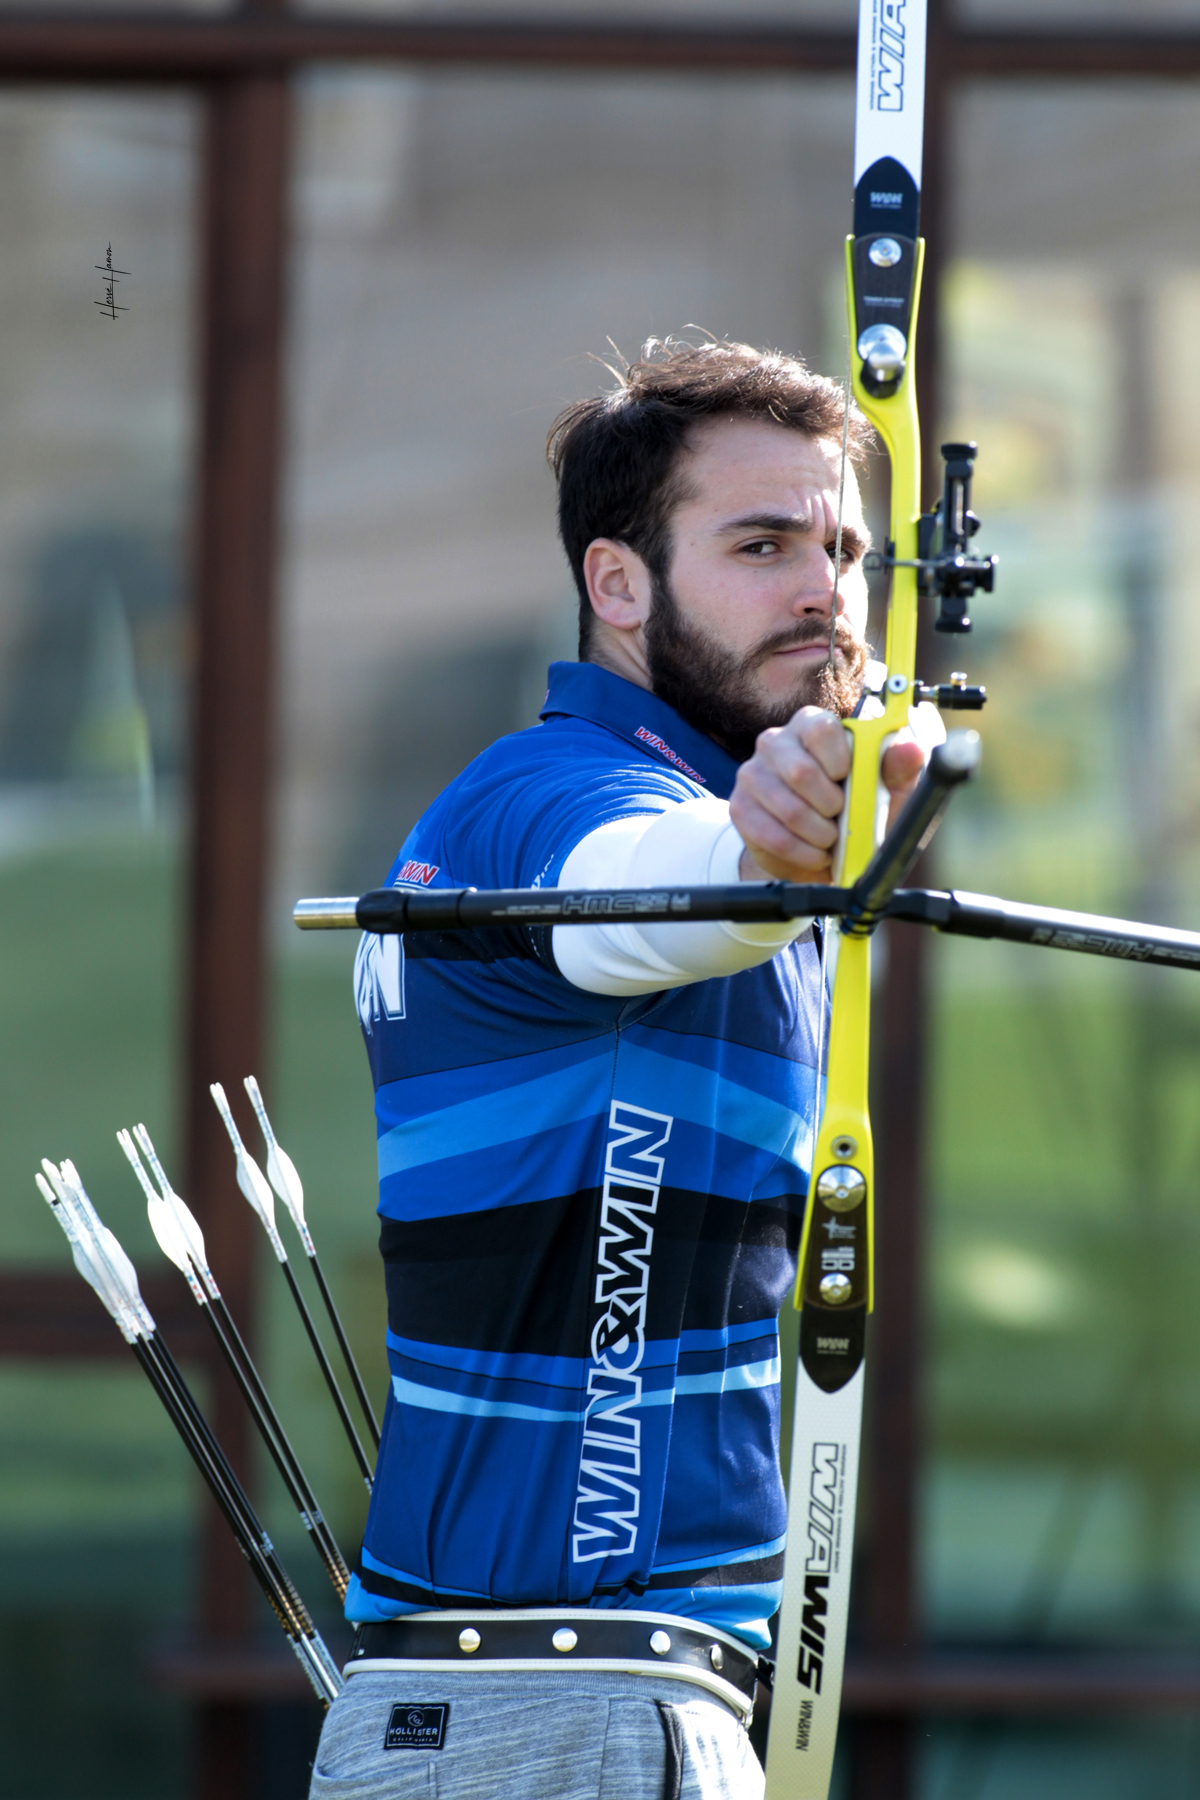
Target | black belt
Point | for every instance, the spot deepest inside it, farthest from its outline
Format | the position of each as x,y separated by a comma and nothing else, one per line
559,1637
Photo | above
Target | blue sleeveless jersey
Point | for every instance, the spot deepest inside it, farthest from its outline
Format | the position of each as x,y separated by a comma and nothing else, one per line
590,1215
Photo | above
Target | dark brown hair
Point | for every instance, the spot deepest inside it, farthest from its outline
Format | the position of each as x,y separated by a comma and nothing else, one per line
616,455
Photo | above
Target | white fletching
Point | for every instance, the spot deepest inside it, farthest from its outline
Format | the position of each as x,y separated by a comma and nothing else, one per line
92,1274
168,1236
281,1170
135,1162
101,1248
250,1177
110,1249
55,1179
184,1219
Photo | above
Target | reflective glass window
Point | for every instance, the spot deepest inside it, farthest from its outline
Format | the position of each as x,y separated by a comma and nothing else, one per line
1063,1504
97,1505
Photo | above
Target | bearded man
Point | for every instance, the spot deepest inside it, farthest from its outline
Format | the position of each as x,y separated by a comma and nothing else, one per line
593,1140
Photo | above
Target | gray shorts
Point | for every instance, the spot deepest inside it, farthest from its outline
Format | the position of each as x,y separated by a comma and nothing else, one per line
532,1736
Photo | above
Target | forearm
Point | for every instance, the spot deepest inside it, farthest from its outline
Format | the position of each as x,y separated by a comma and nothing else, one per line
690,845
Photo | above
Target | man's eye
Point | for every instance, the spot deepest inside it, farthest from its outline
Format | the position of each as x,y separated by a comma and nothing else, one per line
847,552
760,547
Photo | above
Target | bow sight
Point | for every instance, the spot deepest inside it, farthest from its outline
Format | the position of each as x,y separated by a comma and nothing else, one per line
945,570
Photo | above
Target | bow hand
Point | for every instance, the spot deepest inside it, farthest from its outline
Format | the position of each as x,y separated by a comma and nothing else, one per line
788,800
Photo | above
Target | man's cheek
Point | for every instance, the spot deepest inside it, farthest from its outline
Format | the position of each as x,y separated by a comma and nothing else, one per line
853,590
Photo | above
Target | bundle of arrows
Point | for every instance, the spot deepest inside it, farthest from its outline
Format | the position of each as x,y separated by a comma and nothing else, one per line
103,1263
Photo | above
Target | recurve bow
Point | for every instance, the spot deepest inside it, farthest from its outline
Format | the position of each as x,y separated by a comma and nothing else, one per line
835,1283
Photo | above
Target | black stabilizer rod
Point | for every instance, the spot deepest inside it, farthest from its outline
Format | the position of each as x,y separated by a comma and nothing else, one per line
952,763
957,913
391,910
983,916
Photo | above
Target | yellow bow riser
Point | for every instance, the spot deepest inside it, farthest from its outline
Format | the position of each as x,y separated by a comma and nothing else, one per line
844,1139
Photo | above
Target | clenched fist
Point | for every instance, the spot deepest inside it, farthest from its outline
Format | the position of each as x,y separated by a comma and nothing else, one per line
788,798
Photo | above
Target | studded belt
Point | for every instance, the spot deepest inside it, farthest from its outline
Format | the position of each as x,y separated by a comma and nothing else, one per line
588,1639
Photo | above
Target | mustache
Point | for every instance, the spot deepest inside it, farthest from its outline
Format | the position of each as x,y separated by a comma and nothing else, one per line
804,632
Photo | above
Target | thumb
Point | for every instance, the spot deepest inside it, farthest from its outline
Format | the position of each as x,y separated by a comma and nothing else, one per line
901,770
901,767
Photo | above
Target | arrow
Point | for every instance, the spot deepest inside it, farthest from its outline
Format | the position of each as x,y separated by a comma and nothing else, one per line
180,1239
283,1176
256,1188
104,1265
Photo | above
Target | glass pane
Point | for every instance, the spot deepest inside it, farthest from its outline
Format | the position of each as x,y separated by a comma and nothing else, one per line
1106,1759
1063,1494
94,451
95,428
96,1556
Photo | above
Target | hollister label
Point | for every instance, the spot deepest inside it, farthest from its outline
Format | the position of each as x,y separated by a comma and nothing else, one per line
417,1728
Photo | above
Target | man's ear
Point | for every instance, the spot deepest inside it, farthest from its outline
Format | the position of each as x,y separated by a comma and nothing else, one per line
618,584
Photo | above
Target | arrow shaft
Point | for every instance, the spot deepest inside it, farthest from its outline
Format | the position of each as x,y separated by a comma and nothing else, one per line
344,1345
177,1399
270,1429
343,1411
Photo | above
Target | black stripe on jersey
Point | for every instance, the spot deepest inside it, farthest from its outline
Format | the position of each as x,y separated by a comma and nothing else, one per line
418,1594
745,1574
520,1278
527,943
514,1278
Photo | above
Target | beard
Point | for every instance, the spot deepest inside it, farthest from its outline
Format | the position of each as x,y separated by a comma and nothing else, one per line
717,691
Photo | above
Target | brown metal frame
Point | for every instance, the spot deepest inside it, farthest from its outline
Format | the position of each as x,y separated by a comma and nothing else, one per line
264,38
241,62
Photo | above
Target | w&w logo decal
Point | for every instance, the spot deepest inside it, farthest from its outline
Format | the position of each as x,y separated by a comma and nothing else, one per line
608,1496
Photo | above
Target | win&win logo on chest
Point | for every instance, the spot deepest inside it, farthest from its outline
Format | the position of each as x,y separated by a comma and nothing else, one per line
608,1495
379,979
379,964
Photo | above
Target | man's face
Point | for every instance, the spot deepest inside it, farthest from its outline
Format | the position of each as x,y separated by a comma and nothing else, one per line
738,634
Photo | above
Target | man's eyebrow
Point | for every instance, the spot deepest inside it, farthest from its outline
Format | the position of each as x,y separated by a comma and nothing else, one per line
853,540
799,522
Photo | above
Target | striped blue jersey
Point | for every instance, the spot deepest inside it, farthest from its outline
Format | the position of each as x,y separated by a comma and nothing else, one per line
590,1215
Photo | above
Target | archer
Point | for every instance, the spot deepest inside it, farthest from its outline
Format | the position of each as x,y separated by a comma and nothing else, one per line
594,1143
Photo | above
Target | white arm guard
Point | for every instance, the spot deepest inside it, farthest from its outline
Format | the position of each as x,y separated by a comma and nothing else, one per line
689,845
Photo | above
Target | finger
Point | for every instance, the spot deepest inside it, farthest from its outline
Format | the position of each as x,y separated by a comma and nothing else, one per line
792,811
825,738
779,868
901,766
773,794
775,847
782,755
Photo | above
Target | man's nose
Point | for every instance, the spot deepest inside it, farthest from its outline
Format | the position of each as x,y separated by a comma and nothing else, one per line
815,584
